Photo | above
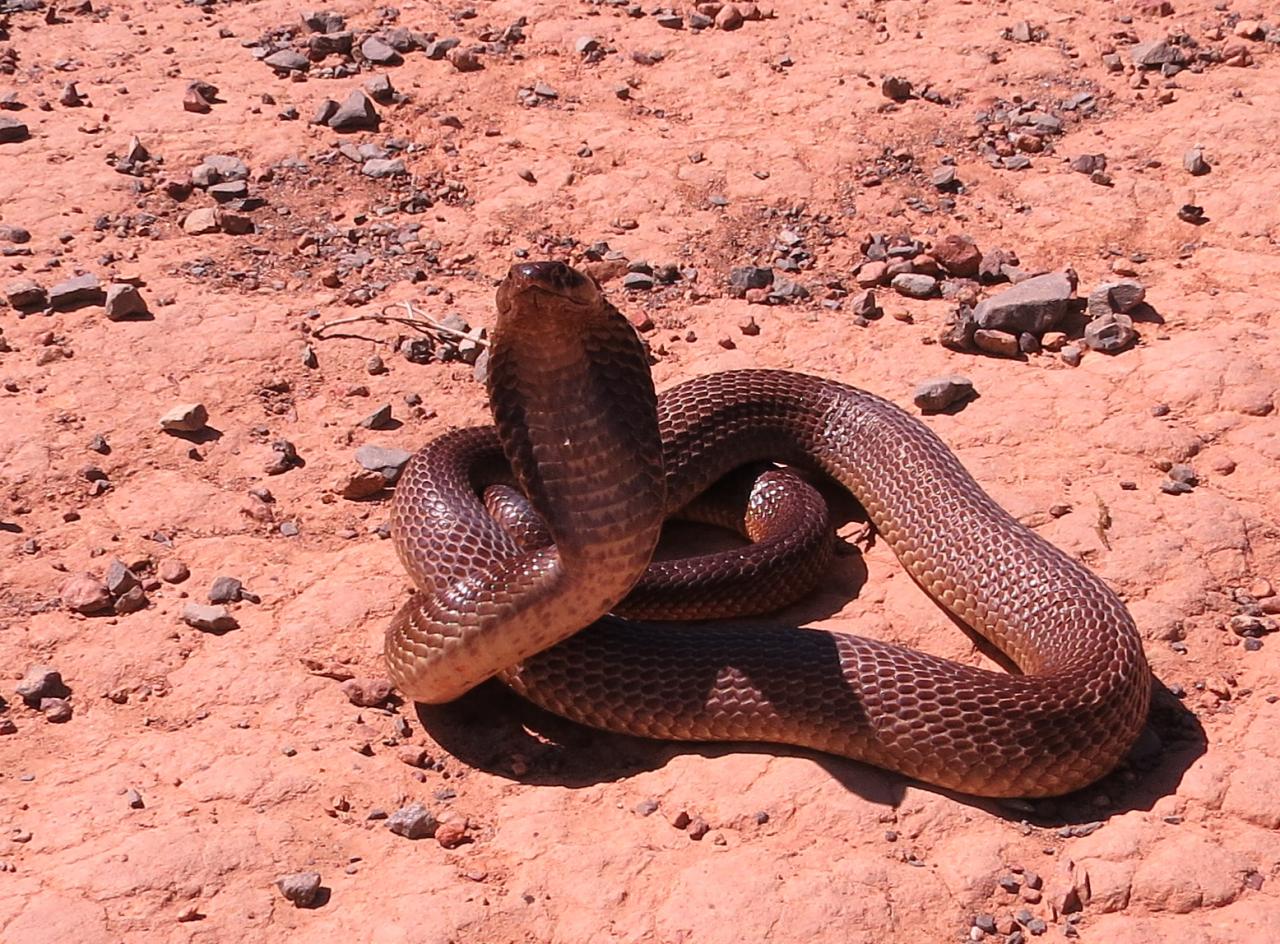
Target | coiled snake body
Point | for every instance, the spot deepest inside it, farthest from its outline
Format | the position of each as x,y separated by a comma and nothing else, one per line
605,462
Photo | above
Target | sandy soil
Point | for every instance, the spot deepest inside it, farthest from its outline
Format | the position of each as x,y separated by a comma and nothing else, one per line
707,149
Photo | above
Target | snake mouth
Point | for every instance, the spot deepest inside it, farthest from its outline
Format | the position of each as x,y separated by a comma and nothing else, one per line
530,283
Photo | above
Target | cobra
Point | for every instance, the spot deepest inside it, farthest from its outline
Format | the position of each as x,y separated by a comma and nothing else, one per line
604,461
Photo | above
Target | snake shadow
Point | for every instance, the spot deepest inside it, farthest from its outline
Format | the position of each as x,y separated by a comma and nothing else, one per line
491,729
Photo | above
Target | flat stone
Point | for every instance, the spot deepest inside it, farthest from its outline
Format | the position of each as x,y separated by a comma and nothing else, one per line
356,113
25,293
287,60
208,619
379,168
1035,305
124,301
185,418
915,285
1110,334
229,190
387,461
367,692
995,342
938,393
378,52
638,281
362,483
75,292
201,222
12,130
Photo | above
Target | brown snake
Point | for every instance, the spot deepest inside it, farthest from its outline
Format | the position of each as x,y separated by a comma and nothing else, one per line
605,462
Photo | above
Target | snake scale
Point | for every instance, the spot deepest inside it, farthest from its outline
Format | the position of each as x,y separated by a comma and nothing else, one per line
605,461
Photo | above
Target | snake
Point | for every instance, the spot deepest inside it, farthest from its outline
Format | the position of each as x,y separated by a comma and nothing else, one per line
580,431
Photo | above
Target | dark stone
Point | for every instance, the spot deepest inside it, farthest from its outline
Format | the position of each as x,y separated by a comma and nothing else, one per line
356,113
1035,305
76,293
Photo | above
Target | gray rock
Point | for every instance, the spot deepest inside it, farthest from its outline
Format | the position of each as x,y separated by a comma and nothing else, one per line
209,619
743,278
185,418
1110,334
286,60
896,89
14,234
439,48
915,285
785,290
379,418
638,281
1035,305
217,168
379,88
863,305
323,21
226,590
1194,163
377,51
55,710
12,130
356,113
390,462
1155,54
40,682
944,178
301,888
1122,296
120,579
24,293
380,168
938,393
229,190
339,42
412,822
76,292
1070,355
124,301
